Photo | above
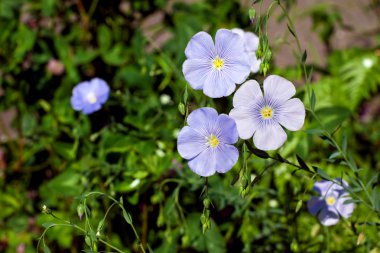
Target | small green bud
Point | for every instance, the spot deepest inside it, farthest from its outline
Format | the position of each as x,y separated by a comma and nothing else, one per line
185,240
265,68
80,211
181,108
252,14
259,52
203,219
206,203
204,228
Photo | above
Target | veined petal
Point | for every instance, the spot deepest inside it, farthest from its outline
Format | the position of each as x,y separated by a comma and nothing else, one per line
228,44
251,41
324,187
226,157
190,143
200,46
254,62
225,129
315,204
237,68
238,31
269,136
205,163
196,72
291,114
248,94
245,122
278,89
203,120
218,84
328,217
345,209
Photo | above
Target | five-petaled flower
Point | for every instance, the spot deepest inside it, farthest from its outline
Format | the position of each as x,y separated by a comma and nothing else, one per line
216,68
207,142
89,96
251,44
332,202
262,116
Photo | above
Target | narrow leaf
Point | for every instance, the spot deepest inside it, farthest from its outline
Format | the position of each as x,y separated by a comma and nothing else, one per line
257,152
302,163
291,31
235,179
313,100
299,205
304,57
127,217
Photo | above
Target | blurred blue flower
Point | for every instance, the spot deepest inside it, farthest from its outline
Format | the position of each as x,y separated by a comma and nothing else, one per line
216,68
208,142
89,96
330,205
262,116
251,44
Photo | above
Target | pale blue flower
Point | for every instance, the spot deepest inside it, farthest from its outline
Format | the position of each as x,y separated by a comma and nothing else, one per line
332,202
89,96
251,44
262,116
207,142
216,68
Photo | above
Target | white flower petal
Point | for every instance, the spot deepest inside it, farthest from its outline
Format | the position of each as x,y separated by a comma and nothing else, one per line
292,114
254,62
228,44
269,136
245,122
237,69
277,88
248,94
251,41
196,72
200,46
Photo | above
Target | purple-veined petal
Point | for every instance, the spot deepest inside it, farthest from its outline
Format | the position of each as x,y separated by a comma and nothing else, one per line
200,46
196,72
245,122
228,44
254,62
291,114
239,32
217,85
345,209
315,204
226,157
278,89
323,187
248,94
251,41
101,89
269,136
225,129
190,143
205,163
203,120
328,217
237,68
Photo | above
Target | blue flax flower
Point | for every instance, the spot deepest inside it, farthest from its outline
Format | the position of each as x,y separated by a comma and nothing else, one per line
216,68
330,205
89,96
262,116
207,142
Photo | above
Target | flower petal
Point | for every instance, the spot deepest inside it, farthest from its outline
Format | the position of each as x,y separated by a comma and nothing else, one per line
245,122
218,84
345,209
225,129
190,143
203,120
196,71
77,103
254,62
228,44
101,89
226,157
315,204
269,136
90,108
200,46
237,68
328,217
248,94
278,89
205,163
251,41
291,114
322,187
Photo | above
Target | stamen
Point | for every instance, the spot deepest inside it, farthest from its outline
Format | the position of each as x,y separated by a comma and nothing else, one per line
267,112
217,63
91,98
213,141
330,200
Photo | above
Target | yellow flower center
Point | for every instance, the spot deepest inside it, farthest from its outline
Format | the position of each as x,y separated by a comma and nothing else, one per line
330,200
91,98
213,141
267,112
217,63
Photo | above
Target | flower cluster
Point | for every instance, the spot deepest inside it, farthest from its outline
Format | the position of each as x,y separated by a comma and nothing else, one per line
333,201
216,69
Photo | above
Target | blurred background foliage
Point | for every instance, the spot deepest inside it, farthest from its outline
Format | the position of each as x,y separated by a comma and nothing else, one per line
50,154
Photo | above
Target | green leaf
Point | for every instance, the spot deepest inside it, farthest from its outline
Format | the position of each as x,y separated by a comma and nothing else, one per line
48,224
302,163
127,216
299,205
46,248
313,100
321,173
104,38
257,152
181,108
291,31
304,57
235,179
